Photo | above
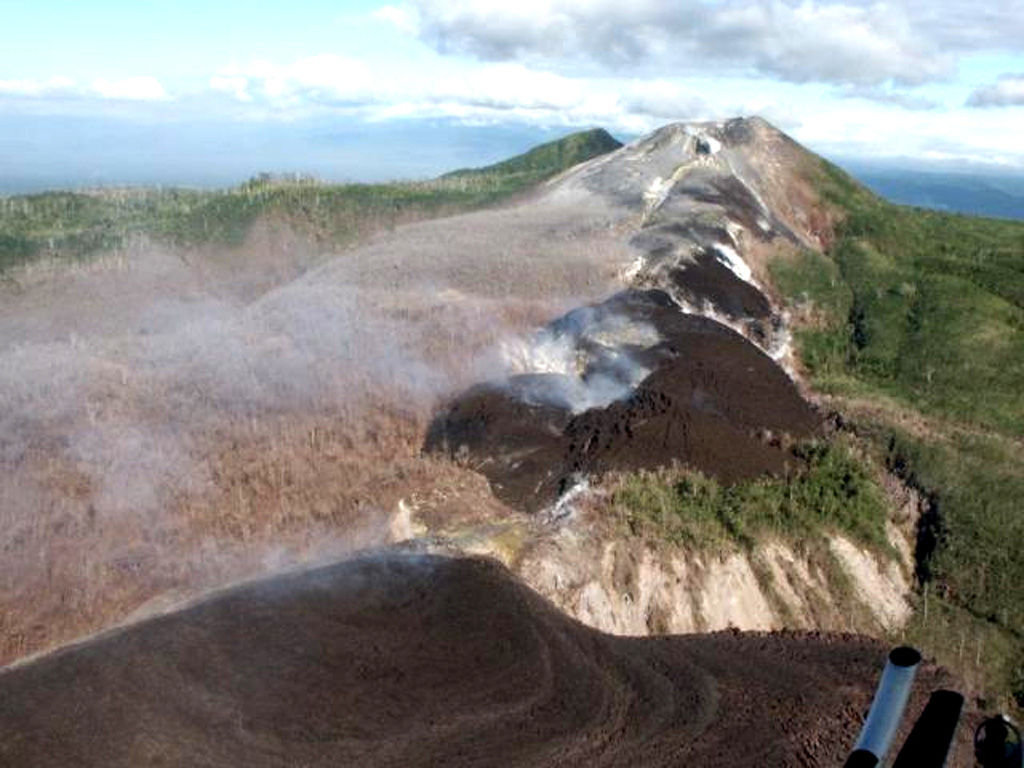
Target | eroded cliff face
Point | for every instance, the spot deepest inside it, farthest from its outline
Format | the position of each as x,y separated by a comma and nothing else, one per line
628,586
690,363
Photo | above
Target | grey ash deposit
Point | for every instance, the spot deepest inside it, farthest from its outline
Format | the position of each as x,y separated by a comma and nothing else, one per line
709,398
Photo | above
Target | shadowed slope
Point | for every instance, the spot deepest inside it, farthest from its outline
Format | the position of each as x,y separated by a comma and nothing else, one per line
422,660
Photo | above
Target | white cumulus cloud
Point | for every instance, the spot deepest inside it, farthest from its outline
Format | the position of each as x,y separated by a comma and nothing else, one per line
130,89
812,40
233,85
398,16
488,91
505,86
324,78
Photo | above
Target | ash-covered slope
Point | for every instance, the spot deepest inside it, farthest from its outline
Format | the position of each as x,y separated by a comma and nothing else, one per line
653,385
689,363
713,200
412,660
684,365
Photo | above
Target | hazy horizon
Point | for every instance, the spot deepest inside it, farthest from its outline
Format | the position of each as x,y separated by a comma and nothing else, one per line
48,153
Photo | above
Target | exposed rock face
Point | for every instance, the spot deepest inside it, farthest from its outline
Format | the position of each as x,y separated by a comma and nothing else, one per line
630,588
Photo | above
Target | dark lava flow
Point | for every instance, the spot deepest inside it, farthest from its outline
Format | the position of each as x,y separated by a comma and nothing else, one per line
712,400
414,660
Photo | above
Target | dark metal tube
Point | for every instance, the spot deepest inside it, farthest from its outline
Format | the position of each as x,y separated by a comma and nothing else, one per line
889,703
930,740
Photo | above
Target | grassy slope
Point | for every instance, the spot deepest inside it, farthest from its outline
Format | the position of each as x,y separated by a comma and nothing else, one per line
834,492
547,159
74,225
914,321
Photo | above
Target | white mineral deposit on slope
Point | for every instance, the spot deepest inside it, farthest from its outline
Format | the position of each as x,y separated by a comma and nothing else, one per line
631,272
735,232
734,262
656,193
714,145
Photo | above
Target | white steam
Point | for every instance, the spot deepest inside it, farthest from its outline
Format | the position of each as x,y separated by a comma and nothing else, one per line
588,357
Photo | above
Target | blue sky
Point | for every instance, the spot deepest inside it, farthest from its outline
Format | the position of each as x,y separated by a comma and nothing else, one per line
114,91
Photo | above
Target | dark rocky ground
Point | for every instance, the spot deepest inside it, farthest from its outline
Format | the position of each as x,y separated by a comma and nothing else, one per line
713,400
417,660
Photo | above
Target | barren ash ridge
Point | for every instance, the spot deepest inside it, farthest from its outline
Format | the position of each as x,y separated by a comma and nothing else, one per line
619,318
688,362
408,659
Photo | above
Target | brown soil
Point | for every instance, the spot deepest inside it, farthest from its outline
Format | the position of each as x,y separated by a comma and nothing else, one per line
714,401
408,660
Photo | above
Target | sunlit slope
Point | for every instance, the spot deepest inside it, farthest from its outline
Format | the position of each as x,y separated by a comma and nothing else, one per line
545,160
914,321
77,224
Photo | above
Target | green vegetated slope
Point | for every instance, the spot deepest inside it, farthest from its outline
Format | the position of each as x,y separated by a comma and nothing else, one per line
545,160
832,491
77,225
914,321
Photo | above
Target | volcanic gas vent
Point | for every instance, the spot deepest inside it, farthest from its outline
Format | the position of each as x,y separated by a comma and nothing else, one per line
709,398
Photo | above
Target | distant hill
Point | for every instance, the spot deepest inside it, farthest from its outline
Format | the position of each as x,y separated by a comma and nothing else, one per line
548,159
978,194
81,224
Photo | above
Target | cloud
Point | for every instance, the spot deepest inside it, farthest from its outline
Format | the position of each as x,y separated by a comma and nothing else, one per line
965,27
130,89
665,100
329,80
887,96
1007,91
879,132
37,88
507,86
397,16
479,92
56,88
235,86
838,43
324,78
